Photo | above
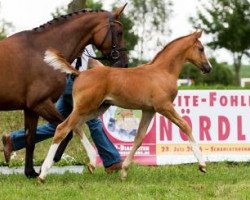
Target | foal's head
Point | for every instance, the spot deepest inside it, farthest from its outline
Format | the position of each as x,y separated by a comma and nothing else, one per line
108,38
196,55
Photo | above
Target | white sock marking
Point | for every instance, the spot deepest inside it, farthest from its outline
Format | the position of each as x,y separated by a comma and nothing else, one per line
91,152
48,162
197,153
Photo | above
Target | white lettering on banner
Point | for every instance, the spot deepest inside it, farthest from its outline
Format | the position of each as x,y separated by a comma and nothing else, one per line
125,149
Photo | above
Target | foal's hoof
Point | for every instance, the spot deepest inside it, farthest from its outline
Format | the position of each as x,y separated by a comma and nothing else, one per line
91,168
123,175
31,174
40,180
202,168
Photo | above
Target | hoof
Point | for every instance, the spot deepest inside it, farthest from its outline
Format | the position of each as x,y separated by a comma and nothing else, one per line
31,174
40,180
123,175
202,168
91,168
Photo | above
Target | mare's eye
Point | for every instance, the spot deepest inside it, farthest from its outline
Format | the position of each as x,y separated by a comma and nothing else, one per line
119,33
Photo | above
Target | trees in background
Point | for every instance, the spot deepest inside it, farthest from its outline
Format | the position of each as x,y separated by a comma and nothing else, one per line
76,5
4,28
229,23
221,74
150,20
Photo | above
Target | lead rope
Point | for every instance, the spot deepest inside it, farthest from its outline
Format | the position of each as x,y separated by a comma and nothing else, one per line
78,65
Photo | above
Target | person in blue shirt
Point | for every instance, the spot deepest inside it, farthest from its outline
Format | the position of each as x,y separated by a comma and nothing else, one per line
110,156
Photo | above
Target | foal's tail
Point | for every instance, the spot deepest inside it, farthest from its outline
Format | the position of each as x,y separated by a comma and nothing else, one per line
56,60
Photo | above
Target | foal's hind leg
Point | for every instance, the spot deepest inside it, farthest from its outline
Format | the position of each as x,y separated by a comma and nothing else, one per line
30,123
91,152
169,112
145,121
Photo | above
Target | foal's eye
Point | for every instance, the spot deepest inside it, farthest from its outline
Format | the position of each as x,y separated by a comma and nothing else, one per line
201,49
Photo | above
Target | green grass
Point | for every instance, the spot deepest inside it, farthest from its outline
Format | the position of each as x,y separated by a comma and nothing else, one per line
10,121
223,181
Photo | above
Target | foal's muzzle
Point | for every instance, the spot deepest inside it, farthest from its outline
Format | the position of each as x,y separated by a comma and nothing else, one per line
206,68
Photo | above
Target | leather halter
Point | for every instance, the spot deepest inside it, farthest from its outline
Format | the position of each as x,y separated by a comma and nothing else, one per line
114,53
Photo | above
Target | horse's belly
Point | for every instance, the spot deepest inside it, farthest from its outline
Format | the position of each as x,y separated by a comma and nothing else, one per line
11,105
11,99
130,103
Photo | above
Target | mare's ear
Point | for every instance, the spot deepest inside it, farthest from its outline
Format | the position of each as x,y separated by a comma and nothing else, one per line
94,63
117,13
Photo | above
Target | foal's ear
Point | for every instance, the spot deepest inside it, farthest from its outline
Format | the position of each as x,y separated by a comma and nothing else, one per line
198,34
94,63
118,12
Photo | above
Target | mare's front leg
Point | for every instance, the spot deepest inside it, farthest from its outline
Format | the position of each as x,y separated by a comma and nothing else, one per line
144,123
30,123
169,112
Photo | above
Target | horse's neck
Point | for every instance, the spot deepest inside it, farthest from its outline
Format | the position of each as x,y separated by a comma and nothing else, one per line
171,60
71,36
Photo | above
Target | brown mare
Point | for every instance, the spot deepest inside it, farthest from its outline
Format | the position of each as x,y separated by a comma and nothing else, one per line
28,83
151,88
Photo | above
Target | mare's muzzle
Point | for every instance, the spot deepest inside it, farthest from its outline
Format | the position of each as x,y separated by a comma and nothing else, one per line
120,64
118,57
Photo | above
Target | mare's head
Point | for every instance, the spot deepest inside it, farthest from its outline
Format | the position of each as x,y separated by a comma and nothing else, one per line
108,38
196,54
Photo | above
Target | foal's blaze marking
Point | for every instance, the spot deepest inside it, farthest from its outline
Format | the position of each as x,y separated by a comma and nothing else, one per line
151,88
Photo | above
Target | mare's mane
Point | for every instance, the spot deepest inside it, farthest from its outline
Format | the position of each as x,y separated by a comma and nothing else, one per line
168,46
63,18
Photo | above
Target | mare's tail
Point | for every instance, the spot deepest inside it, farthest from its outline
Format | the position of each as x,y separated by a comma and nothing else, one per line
56,60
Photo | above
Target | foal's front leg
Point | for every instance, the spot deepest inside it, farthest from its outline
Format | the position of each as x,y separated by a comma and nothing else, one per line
169,112
144,123
61,132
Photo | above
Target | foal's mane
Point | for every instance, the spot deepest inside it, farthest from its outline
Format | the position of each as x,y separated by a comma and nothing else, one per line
168,46
63,18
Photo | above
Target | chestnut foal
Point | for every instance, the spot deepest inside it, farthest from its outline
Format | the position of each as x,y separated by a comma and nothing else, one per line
151,88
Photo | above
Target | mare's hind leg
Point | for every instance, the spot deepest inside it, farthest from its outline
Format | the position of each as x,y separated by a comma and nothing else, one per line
30,124
61,132
145,121
48,111
169,112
